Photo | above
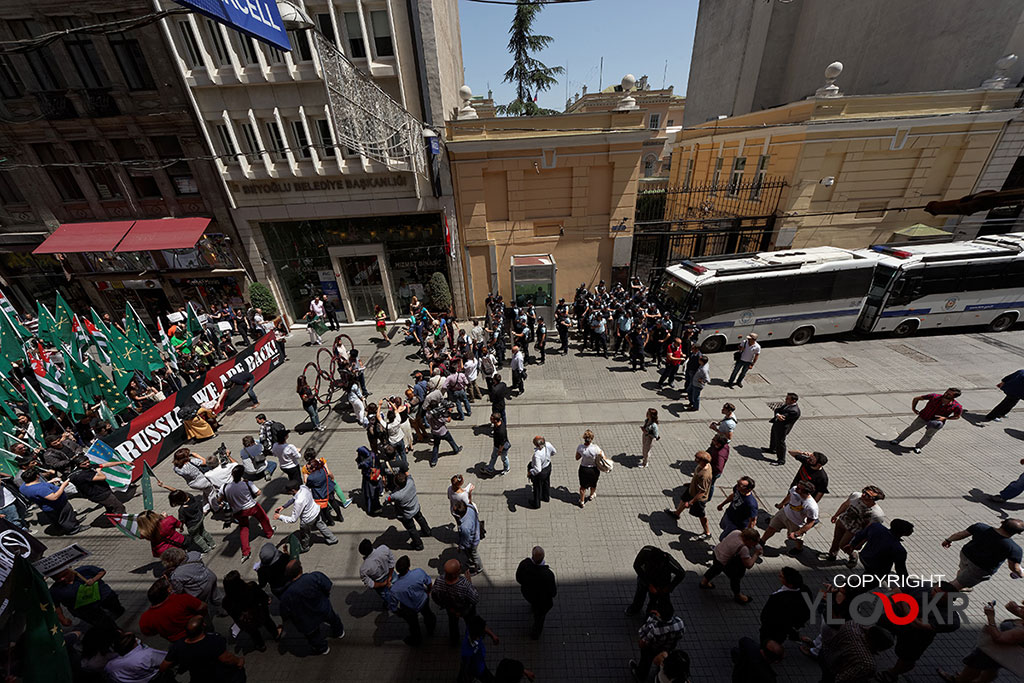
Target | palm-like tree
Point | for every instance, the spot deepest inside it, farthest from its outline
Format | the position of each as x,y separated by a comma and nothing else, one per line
530,75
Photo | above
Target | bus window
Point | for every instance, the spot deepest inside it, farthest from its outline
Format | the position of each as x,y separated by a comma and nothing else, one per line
811,287
905,288
851,284
984,275
880,282
938,280
675,295
1013,277
707,305
777,291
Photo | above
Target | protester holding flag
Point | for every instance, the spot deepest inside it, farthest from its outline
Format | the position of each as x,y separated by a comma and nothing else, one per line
51,500
86,596
91,483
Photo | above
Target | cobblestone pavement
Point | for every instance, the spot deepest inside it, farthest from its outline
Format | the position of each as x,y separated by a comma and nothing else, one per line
854,392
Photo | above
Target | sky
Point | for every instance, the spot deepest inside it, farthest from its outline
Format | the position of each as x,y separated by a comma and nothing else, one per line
633,36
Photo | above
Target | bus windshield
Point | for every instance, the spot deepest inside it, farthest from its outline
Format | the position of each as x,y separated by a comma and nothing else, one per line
675,295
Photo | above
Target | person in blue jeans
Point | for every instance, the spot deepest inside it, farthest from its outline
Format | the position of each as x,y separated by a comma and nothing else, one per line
499,433
1011,490
306,602
1013,386
746,356
439,431
701,377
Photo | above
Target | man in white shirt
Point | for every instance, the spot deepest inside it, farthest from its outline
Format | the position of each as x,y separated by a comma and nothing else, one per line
316,307
518,369
307,513
478,335
471,366
377,569
134,662
288,457
798,514
748,353
727,425
539,471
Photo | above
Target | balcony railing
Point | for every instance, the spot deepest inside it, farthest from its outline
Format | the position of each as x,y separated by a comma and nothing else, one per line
98,103
55,105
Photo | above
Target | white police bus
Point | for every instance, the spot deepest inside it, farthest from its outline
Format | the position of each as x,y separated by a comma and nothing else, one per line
795,294
928,286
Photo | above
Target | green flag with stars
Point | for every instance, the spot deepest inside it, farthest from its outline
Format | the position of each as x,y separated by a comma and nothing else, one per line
44,656
194,327
39,411
126,354
62,316
11,349
114,399
47,325
88,388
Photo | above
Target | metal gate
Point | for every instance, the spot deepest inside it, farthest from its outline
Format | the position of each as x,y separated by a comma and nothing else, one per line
675,224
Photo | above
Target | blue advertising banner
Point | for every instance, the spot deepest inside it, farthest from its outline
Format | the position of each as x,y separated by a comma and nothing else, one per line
257,18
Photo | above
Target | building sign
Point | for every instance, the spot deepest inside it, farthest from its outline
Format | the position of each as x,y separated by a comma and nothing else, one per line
257,18
159,431
327,184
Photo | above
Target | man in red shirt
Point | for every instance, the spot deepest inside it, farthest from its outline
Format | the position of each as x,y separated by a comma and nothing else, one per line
169,612
673,358
938,409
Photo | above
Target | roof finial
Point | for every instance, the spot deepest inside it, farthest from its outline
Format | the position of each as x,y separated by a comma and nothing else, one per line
466,111
830,89
628,102
999,79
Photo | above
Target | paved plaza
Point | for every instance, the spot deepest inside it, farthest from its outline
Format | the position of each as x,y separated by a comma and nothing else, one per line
855,395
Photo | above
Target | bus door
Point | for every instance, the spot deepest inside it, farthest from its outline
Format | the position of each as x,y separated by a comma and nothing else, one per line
881,281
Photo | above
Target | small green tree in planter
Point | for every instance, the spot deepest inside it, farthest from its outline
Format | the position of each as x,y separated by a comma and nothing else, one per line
261,298
437,290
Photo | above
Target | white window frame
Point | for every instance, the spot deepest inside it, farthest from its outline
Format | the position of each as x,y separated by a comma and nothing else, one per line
739,166
302,140
325,136
192,52
717,177
252,143
221,52
654,121
227,144
349,52
759,176
276,141
373,33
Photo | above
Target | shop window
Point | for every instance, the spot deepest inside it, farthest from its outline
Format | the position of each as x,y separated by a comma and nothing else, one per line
356,46
382,44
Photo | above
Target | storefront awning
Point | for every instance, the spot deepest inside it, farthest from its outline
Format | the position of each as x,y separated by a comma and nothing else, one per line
164,233
74,238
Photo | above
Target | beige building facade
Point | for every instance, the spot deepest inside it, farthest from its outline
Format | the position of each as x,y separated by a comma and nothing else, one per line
317,216
563,186
856,168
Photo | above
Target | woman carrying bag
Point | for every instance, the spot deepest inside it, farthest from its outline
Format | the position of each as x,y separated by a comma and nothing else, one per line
650,434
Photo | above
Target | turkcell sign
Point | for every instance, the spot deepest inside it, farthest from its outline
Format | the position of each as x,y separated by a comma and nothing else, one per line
257,18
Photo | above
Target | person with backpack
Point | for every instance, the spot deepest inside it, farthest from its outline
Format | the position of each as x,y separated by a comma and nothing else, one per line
269,429
240,495
309,402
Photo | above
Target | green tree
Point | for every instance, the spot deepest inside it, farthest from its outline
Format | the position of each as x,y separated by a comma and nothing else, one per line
261,298
437,290
530,75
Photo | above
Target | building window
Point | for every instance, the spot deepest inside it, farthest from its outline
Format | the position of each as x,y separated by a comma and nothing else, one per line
249,51
301,138
670,123
104,178
83,55
143,182
649,163
132,62
167,147
274,56
61,176
276,141
9,192
689,172
717,176
382,44
40,59
654,122
301,50
356,47
220,47
193,56
762,170
227,144
323,130
736,178
326,26
252,145
10,83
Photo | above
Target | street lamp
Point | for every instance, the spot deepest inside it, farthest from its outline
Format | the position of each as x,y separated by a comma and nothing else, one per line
293,16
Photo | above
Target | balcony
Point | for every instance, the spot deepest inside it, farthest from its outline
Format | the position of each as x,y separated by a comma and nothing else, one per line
55,105
99,104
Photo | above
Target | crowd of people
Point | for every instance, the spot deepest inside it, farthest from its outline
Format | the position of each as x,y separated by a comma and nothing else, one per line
462,370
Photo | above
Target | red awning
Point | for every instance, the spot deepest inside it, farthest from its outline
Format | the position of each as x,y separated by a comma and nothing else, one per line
164,233
73,238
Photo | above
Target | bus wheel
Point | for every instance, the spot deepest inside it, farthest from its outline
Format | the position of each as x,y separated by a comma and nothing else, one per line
713,345
801,336
1003,322
905,328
